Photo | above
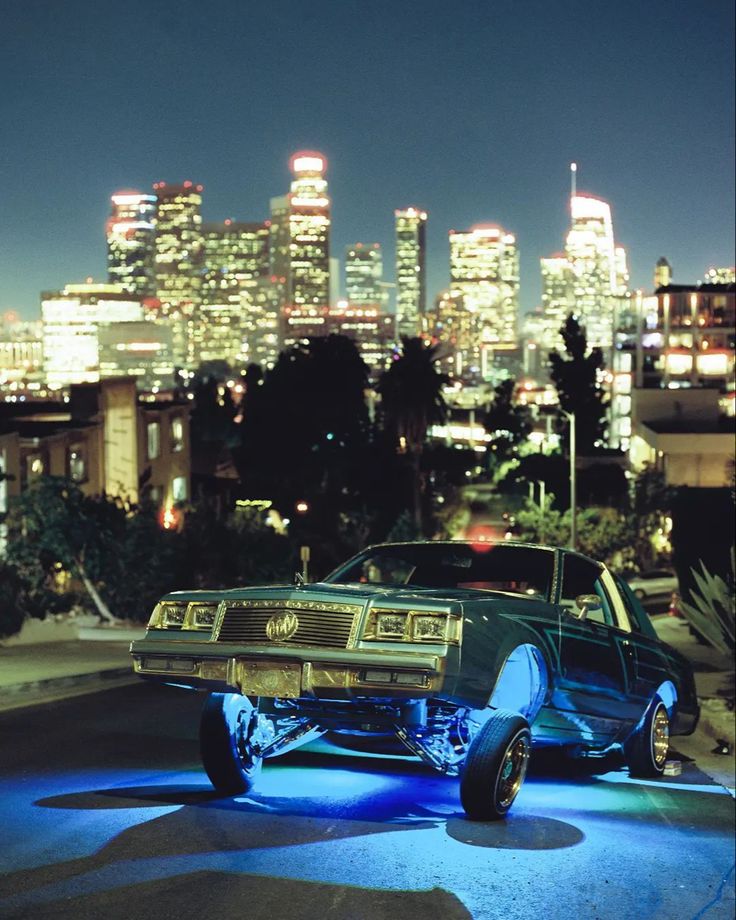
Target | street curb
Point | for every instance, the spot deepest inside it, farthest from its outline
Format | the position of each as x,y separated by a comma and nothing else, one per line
13,696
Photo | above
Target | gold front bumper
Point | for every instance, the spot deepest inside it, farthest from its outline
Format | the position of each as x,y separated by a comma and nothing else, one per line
292,680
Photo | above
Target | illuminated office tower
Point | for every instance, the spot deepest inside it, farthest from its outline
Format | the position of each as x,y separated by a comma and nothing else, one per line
300,235
364,276
261,305
235,256
557,301
484,274
137,349
662,273
179,261
598,267
71,323
411,281
131,243
451,325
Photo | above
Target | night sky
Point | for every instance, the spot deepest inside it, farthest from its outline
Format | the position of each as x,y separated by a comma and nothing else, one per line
471,109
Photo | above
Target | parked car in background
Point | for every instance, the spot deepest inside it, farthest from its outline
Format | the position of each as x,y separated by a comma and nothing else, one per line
471,654
654,583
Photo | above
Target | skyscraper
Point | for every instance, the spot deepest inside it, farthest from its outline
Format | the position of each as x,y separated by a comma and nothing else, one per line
300,235
235,256
411,282
179,261
364,275
557,302
131,242
598,268
484,277
71,322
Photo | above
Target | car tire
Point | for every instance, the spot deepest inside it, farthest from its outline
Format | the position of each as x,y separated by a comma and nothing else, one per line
227,754
645,750
495,766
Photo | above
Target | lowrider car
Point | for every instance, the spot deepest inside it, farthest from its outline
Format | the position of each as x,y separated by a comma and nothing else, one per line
470,654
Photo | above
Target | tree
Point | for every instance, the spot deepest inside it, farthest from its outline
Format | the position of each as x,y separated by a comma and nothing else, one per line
55,529
509,425
66,546
305,427
577,379
411,401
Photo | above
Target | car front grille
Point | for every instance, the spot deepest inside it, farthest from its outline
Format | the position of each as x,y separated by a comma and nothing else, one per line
321,625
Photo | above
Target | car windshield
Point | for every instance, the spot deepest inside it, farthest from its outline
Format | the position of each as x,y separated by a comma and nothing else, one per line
524,570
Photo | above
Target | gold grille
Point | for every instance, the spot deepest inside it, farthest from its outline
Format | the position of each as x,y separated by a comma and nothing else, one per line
324,625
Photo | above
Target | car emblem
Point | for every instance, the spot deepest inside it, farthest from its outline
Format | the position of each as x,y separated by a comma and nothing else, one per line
282,626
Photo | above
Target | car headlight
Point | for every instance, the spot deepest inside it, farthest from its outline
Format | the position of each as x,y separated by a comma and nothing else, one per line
196,615
412,626
201,616
391,625
429,628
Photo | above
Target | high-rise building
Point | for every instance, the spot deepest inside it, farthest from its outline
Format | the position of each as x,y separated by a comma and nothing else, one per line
680,341
300,235
557,301
364,276
71,323
484,276
137,349
372,331
262,306
178,261
599,277
662,273
411,259
131,242
236,259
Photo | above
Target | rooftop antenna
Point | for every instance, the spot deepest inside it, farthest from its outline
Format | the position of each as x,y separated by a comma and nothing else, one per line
573,179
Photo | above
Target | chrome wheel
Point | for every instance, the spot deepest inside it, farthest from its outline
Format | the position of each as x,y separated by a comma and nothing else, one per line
513,770
660,736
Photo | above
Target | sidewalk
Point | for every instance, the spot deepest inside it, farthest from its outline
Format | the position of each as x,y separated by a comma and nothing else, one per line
99,659
44,671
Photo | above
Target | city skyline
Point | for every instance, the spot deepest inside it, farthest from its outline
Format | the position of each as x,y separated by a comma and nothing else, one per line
439,114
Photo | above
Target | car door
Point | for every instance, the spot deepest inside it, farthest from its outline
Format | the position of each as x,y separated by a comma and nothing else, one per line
596,656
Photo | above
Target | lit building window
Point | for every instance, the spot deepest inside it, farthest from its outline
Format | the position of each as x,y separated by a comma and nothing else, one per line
177,434
154,440
179,489
77,464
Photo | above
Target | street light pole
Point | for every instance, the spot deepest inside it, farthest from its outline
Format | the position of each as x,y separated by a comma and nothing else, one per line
573,482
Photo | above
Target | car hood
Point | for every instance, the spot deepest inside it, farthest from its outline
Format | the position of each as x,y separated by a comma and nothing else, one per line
348,593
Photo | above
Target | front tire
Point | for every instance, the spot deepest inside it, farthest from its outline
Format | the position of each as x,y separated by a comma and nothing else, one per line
225,732
645,751
495,766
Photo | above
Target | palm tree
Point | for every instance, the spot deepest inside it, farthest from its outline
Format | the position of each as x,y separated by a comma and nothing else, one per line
412,400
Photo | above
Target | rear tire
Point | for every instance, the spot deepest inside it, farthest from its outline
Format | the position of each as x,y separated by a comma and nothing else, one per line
495,766
228,720
645,750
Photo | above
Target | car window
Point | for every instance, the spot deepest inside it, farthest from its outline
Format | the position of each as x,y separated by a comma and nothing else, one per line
580,576
638,618
520,570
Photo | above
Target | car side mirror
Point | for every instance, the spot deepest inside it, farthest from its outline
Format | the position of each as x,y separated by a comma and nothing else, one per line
586,603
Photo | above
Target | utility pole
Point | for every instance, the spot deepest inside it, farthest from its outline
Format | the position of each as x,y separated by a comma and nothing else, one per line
573,481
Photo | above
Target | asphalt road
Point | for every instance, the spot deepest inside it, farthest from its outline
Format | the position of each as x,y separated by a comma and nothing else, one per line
106,813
